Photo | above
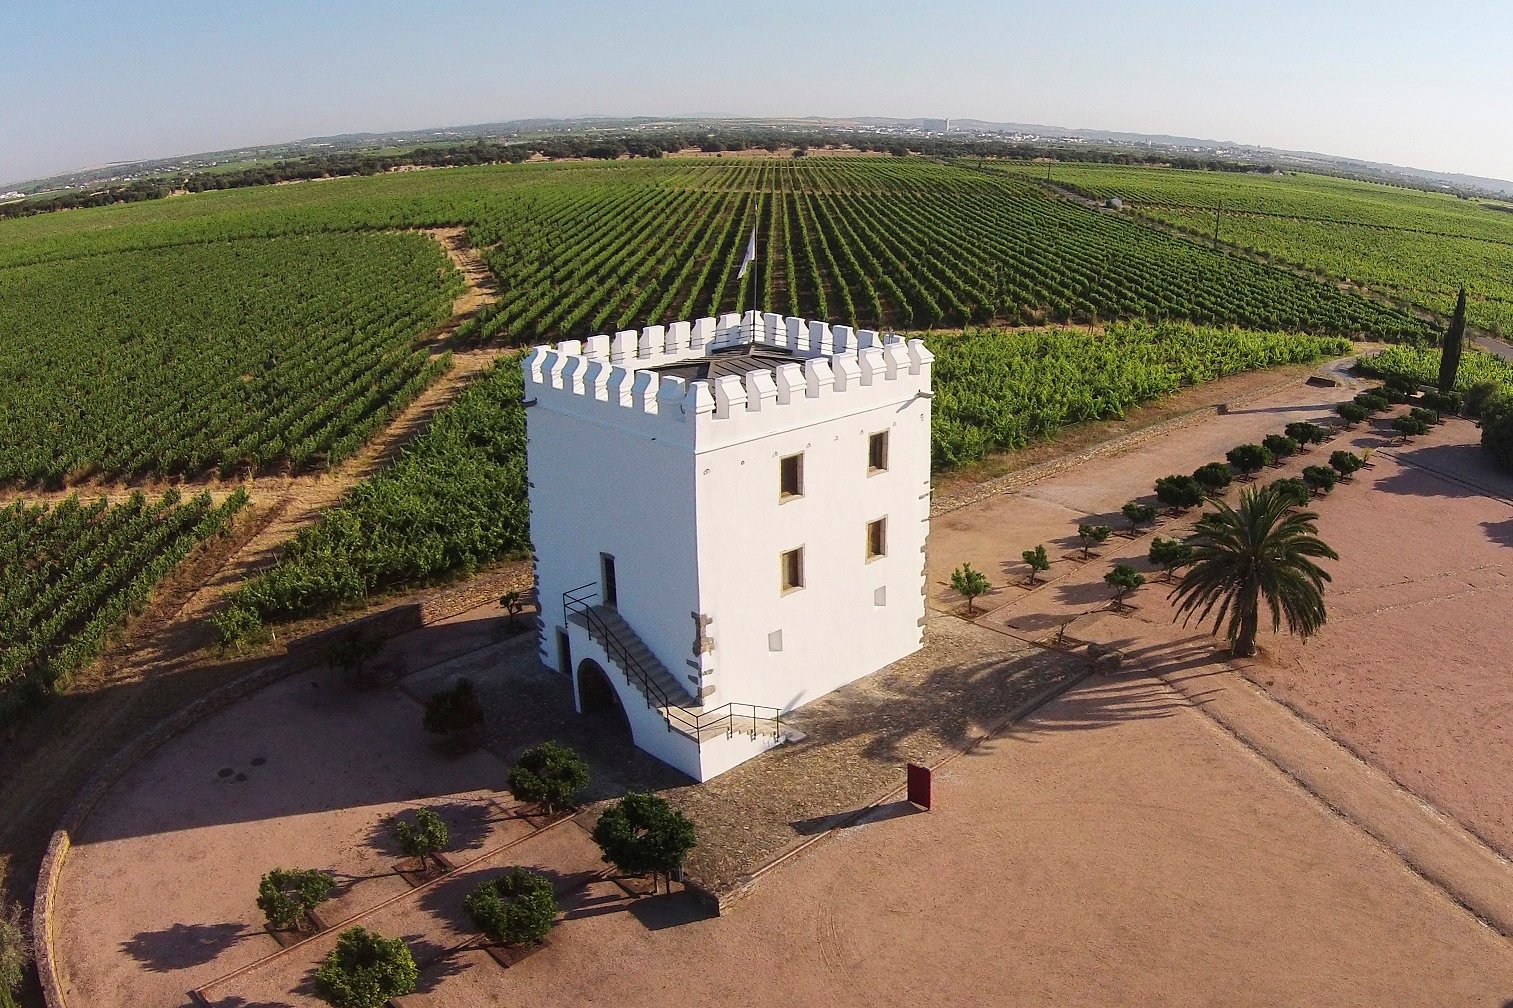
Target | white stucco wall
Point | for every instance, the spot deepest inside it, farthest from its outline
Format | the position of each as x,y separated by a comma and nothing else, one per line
680,483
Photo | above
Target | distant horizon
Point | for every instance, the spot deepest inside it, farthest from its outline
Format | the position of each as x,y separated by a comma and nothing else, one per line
90,85
700,116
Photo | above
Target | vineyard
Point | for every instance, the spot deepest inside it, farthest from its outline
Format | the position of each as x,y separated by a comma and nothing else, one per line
231,355
456,498
1422,365
1413,246
996,390
71,573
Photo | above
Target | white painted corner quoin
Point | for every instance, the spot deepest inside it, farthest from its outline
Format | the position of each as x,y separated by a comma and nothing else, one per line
728,518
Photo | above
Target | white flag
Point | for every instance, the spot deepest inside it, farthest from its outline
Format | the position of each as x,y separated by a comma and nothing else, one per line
750,256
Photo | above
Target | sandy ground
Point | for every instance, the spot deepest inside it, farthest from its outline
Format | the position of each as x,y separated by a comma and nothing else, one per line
1114,848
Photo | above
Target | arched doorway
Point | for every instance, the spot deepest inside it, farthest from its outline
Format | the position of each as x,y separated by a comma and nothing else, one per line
597,697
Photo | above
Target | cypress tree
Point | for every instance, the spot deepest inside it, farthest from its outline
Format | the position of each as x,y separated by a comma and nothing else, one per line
1455,338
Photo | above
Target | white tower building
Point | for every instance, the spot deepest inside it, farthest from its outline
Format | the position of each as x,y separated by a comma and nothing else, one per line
729,519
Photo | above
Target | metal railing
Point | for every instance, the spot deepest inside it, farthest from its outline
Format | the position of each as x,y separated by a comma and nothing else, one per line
750,719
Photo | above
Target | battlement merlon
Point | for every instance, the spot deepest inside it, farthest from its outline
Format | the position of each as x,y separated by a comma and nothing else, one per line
612,381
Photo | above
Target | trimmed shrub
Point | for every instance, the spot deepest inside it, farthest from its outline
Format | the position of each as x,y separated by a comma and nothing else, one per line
1401,384
366,970
1179,492
1280,445
1373,402
421,837
1479,395
1444,402
287,895
1409,426
1497,430
1345,462
1306,433
1214,478
1320,479
1352,412
1123,579
1392,395
1093,535
517,908
550,774
1139,514
1294,491
643,835
1169,554
1427,416
1037,560
1249,458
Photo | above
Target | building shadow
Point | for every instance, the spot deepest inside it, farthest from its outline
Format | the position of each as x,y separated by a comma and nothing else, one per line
1451,470
183,945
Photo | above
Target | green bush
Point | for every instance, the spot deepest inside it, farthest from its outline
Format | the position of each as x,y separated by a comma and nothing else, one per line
1179,492
1306,433
366,970
1409,426
1444,402
1214,478
1352,412
421,837
1093,535
1294,491
1479,395
643,835
15,952
1037,560
1426,415
1280,445
1139,514
1345,462
1169,554
517,908
550,774
1497,430
1320,478
456,713
1372,402
970,582
1123,579
287,895
1249,458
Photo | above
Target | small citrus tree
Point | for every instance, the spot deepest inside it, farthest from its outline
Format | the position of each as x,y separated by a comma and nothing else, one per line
1123,579
1139,514
366,970
1280,445
287,895
1093,535
1305,433
1292,490
1320,479
517,908
1249,458
1214,478
1179,492
1036,560
643,835
1345,462
1351,412
550,774
1169,554
421,837
970,582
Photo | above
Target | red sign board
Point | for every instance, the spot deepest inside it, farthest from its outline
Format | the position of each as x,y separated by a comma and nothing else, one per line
919,785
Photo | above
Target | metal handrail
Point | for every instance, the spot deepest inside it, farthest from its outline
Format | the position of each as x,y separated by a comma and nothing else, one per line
579,601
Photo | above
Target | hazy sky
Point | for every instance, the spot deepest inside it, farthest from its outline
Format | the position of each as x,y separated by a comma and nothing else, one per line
1426,85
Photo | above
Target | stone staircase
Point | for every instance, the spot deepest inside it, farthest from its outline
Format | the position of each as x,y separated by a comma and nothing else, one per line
643,662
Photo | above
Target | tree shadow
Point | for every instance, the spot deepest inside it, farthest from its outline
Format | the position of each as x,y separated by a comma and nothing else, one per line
670,910
436,962
1499,532
236,1001
1085,593
183,945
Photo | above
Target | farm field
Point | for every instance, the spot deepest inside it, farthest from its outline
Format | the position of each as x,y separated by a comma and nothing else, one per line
224,356
1416,246
456,498
70,573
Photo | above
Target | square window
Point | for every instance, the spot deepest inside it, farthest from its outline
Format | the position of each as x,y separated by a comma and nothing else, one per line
791,477
877,452
877,539
793,569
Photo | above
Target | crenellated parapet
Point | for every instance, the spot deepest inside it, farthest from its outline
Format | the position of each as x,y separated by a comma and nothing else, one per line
830,371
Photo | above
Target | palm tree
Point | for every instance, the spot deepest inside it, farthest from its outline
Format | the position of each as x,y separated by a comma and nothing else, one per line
1262,549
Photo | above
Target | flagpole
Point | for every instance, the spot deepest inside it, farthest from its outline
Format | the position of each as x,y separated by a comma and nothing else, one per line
755,260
